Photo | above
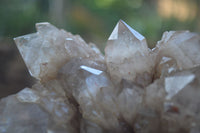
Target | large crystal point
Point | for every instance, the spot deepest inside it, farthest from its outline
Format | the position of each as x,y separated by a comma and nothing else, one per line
40,50
47,50
127,55
183,46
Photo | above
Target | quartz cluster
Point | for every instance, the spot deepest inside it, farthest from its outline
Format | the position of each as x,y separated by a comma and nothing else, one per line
132,89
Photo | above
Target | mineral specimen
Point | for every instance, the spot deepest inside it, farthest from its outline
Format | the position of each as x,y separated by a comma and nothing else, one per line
133,90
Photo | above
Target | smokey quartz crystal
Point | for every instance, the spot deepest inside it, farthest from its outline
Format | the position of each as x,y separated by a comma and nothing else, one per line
132,89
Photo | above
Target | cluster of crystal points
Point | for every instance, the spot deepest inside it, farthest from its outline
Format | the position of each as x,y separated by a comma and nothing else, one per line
133,89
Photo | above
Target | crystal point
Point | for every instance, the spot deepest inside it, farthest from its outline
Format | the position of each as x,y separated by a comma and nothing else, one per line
174,84
183,46
45,27
47,50
134,32
121,28
127,55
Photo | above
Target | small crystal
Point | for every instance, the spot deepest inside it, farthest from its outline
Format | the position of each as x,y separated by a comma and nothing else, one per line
174,84
165,66
28,95
129,101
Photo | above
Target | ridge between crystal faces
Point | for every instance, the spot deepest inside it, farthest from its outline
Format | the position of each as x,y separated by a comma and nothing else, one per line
134,89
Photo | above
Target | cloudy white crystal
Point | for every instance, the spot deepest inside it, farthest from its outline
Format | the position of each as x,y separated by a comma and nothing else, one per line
127,55
45,51
174,84
132,90
183,46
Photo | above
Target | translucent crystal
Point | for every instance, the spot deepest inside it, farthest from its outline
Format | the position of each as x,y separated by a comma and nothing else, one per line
129,101
41,109
176,83
127,55
47,50
90,127
86,80
133,90
181,111
183,46
148,115
165,66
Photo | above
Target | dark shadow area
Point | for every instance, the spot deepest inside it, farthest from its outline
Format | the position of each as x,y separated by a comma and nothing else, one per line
14,75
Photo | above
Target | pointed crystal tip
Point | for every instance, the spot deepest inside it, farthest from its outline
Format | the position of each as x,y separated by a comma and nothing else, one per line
127,55
120,27
42,23
44,27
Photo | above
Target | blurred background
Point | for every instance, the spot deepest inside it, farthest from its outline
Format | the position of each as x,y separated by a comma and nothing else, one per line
94,20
